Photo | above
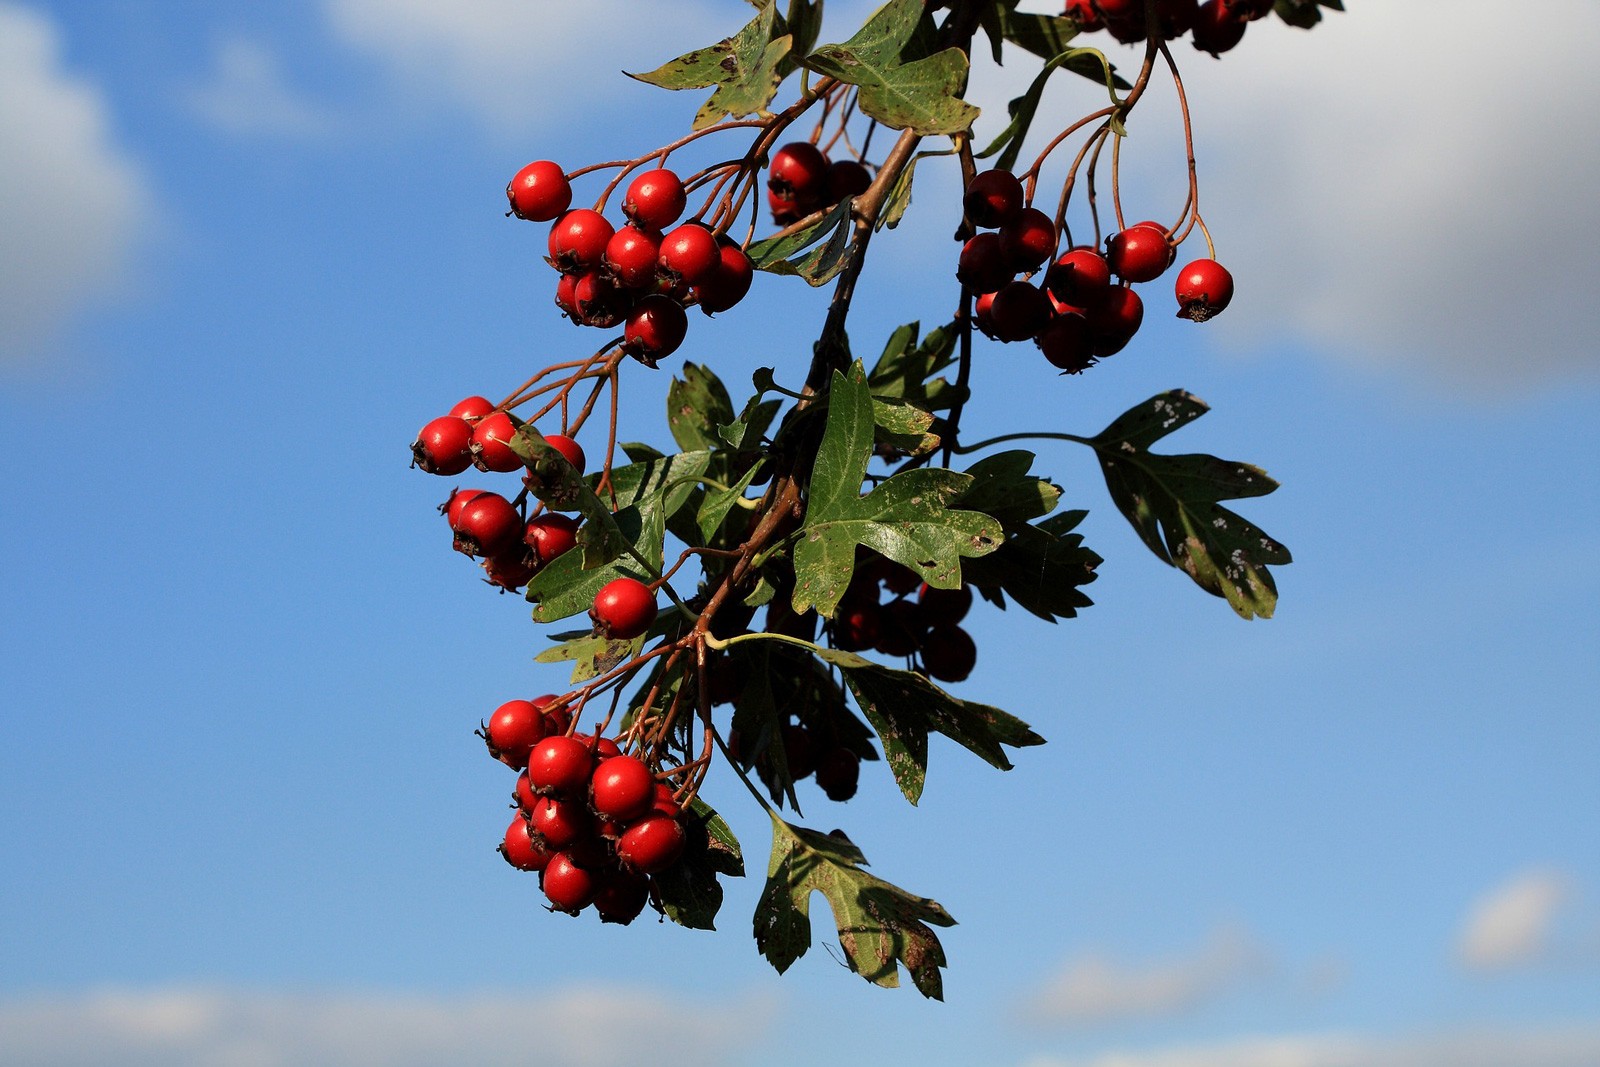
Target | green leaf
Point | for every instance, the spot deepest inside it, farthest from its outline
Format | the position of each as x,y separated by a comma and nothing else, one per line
744,433
749,94
1003,488
904,426
744,69
1089,62
590,654
906,369
906,517
688,890
758,720
716,503
1041,568
903,706
802,22
822,263
880,925
1046,36
921,94
1172,503
697,404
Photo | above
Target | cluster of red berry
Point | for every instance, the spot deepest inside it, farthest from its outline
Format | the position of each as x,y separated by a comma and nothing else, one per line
1216,25
642,275
595,823
1076,316
924,627
801,179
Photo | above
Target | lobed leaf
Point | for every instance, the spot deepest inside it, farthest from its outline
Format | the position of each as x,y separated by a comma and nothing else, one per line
688,891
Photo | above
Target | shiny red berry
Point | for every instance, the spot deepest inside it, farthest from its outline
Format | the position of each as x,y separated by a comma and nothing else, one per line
1083,13
539,192
568,886
622,788
624,608
730,282
857,626
654,200
983,265
1139,253
512,731
520,849
560,764
798,172
578,241
1114,320
491,443
993,199
1079,277
549,535
472,408
1028,240
655,328
559,821
1217,28
443,446
630,257
944,607
652,844
485,524
598,301
838,773
621,896
1204,288
689,254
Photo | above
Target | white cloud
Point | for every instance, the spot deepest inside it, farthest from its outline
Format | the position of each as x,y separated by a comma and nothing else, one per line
1408,186
1577,1046
1094,989
72,204
246,94
594,1027
1512,923
520,66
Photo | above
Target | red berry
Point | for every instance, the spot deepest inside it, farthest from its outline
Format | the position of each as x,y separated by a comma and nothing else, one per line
630,257
520,849
1204,288
651,845
1019,311
1083,13
1066,342
601,748
944,607
799,172
654,200
656,327
983,314
786,211
689,254
902,629
539,192
491,443
948,653
1176,16
838,773
560,764
598,302
730,282
568,886
983,265
1028,240
1248,10
511,568
549,535
456,502
1217,28
486,524
621,896
993,199
570,450
664,801
847,178
567,295
624,608
1114,320
856,627
442,446
622,788
1079,277
560,822
578,241
472,408
798,752
1139,253
512,731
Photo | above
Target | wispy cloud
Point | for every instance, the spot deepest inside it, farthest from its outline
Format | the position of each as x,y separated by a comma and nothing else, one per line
580,1027
246,93
1513,924
73,204
1575,1046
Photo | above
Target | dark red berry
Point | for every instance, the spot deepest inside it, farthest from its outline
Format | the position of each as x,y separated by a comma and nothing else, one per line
560,822
486,524
1083,13
578,241
944,607
1138,254
539,192
664,801
1203,288
621,896
598,301
856,627
1217,28
602,748
983,314
512,731
442,446
799,754
1028,240
549,535
511,568
1176,16
622,788
491,443
1114,320
1248,10
1079,277
902,628
568,886
847,178
798,172
567,295
993,199
948,653
654,200
1019,311
656,327
472,408
624,608
652,844
520,849
729,283
630,257
786,211
689,254
983,265
457,501
560,764
1066,343
838,773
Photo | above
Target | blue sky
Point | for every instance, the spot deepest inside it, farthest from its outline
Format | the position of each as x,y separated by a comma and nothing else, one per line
244,255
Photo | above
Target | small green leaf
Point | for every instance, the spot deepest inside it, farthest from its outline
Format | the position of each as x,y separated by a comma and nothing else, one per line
744,68
903,706
903,425
744,433
881,926
906,369
590,654
1089,62
1041,568
716,503
1172,503
688,890
1003,488
697,404
822,263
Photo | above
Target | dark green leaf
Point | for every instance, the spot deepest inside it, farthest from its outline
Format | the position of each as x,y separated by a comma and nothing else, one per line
1003,488
688,890
716,503
744,69
758,720
1046,36
822,263
697,404
590,654
1088,62
906,369
1041,567
880,925
903,706
1172,502
745,432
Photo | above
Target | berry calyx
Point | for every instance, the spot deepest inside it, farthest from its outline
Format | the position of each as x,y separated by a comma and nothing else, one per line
992,199
491,443
1204,288
622,789
442,446
651,845
539,192
624,608
654,200
655,328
